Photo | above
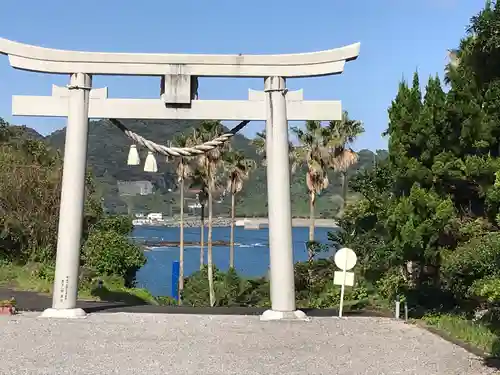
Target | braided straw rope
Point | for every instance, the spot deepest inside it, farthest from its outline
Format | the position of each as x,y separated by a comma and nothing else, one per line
179,151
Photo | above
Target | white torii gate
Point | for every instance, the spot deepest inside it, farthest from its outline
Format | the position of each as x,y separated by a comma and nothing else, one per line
178,100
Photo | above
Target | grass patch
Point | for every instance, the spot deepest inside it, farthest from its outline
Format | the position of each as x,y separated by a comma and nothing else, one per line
113,289
36,277
29,277
460,328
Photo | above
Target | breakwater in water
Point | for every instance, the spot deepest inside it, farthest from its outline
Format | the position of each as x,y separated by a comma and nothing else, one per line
151,244
196,223
217,222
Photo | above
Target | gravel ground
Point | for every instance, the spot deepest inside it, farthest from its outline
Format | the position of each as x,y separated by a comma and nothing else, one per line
189,344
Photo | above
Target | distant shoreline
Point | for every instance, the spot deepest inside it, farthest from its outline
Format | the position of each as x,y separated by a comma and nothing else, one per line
250,223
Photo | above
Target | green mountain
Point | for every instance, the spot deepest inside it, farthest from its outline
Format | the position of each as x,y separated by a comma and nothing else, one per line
107,157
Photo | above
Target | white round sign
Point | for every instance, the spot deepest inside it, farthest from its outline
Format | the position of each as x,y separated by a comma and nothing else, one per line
345,259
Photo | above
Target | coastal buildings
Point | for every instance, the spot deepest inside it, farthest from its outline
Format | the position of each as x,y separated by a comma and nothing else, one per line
153,218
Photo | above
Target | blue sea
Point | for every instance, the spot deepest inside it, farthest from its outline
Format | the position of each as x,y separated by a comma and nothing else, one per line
251,253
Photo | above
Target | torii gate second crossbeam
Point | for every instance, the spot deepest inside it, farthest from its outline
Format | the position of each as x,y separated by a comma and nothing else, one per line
178,100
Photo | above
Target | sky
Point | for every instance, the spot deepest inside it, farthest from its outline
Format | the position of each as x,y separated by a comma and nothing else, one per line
397,38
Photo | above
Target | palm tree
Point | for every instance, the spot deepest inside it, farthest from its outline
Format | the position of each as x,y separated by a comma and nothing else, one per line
342,163
259,142
183,171
343,134
199,181
313,151
238,170
208,165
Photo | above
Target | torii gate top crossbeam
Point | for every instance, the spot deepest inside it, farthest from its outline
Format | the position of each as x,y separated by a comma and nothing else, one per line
47,60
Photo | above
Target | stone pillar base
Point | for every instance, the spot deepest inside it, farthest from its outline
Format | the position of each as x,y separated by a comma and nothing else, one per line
64,313
269,315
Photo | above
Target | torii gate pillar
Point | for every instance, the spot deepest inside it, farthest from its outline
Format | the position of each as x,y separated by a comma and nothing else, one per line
279,206
179,74
72,201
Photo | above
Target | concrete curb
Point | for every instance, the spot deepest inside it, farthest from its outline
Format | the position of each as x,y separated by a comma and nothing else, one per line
109,307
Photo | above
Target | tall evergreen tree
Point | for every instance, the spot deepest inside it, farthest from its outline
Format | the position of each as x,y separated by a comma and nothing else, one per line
442,178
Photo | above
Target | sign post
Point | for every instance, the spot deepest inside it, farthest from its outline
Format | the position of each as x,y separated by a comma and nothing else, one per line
345,259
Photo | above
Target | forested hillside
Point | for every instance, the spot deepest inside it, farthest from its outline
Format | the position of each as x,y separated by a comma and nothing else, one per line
107,156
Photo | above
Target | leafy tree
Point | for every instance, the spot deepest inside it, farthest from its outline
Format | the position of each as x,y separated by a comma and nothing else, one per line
29,205
30,175
120,224
427,218
110,253
473,261
363,224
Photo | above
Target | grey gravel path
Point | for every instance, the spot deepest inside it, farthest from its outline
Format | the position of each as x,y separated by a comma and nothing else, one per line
202,345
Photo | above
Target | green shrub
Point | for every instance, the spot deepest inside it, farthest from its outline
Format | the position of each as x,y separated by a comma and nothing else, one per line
166,301
45,272
121,224
141,294
487,289
391,285
196,291
114,288
234,290
111,253
255,292
474,260
230,289
43,254
354,297
313,276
